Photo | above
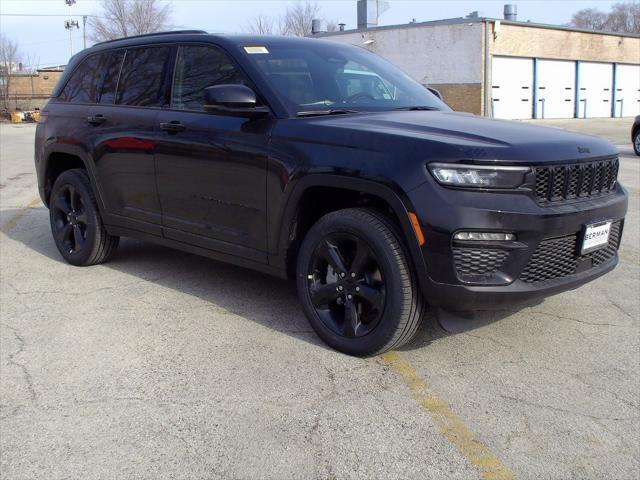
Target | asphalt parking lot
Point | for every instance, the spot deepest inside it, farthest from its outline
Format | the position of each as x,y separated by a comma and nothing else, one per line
161,364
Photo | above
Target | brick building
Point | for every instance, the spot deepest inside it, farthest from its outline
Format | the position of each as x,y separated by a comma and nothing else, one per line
511,69
27,91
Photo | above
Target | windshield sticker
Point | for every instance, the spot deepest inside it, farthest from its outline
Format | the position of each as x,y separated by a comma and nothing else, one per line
256,50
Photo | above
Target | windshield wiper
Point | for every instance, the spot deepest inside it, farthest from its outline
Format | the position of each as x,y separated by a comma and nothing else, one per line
334,111
417,107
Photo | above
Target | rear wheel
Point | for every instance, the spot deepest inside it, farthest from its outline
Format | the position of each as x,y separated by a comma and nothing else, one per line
636,142
356,285
75,221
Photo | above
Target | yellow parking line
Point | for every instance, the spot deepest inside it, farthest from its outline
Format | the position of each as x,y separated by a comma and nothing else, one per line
13,221
447,421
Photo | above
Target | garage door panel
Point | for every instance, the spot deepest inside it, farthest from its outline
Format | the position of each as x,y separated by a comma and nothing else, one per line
627,90
512,87
556,89
595,89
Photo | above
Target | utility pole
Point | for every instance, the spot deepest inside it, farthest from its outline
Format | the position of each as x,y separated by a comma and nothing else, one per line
84,31
70,24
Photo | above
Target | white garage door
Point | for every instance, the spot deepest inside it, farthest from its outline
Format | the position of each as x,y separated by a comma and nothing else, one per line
627,90
595,89
511,87
556,89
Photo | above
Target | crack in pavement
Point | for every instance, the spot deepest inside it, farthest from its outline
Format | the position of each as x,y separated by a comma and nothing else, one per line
563,410
22,367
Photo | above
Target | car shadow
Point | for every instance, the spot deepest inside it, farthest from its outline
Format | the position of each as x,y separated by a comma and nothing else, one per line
266,300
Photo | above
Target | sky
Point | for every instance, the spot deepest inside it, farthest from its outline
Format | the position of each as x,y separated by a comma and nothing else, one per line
44,41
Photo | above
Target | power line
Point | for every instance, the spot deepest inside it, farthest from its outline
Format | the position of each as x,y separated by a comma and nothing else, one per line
45,15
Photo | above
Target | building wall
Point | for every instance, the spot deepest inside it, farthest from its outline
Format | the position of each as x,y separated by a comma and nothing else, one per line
447,57
462,97
30,91
525,41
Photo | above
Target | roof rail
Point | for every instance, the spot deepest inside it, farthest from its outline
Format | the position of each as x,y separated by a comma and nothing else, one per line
151,35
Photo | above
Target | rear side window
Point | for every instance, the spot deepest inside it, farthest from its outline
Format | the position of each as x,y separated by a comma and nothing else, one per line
145,80
82,87
109,82
197,68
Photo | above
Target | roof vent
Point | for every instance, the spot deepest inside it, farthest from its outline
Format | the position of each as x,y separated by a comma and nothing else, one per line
316,26
511,12
369,11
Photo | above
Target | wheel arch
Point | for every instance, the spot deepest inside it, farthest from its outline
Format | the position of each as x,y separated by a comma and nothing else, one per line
353,192
59,158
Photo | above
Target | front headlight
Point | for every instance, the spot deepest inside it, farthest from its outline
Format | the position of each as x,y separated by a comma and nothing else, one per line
478,176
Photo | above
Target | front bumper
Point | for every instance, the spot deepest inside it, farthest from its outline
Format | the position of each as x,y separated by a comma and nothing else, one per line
504,273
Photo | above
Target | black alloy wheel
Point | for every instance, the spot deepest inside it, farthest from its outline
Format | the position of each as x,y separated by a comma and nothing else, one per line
69,219
76,224
355,282
346,286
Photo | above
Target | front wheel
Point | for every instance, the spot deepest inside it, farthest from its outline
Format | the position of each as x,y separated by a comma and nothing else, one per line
356,286
636,142
75,221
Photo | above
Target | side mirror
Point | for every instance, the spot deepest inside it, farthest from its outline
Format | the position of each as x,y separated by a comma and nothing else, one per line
233,100
435,92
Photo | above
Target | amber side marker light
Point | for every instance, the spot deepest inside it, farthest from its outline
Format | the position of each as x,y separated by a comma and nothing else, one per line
416,228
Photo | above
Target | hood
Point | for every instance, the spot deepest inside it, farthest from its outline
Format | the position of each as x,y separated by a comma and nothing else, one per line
461,136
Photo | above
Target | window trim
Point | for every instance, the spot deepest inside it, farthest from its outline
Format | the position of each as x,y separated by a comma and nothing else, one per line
172,52
104,76
73,72
232,59
263,99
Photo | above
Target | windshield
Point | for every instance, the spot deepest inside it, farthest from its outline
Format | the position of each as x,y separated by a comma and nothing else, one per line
328,76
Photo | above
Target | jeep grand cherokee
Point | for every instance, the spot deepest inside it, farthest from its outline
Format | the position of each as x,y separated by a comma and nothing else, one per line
321,161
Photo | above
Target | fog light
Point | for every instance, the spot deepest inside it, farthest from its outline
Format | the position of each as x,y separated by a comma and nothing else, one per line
485,236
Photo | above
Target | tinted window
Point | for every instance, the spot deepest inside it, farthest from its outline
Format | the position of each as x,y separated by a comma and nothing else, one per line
323,75
83,85
145,79
110,80
197,68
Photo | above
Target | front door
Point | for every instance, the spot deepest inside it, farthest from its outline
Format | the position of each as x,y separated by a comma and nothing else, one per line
211,169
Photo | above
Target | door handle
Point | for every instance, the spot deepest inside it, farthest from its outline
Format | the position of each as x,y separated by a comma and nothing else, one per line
172,127
96,120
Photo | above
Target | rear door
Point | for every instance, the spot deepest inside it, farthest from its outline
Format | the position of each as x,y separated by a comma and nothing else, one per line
135,88
211,169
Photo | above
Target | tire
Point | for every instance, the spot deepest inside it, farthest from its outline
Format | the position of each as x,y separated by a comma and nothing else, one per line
365,246
76,226
636,142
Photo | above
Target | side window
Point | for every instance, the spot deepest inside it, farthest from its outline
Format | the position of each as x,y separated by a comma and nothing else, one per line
107,93
82,86
145,80
197,68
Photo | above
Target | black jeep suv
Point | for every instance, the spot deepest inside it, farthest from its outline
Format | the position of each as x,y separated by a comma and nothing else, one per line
320,161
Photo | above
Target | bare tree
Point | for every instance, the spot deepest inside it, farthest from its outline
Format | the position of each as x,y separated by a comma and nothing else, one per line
262,25
297,19
589,18
123,18
332,26
9,59
624,17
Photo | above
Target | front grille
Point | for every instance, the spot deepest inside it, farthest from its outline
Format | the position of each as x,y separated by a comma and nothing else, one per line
475,262
559,257
567,182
